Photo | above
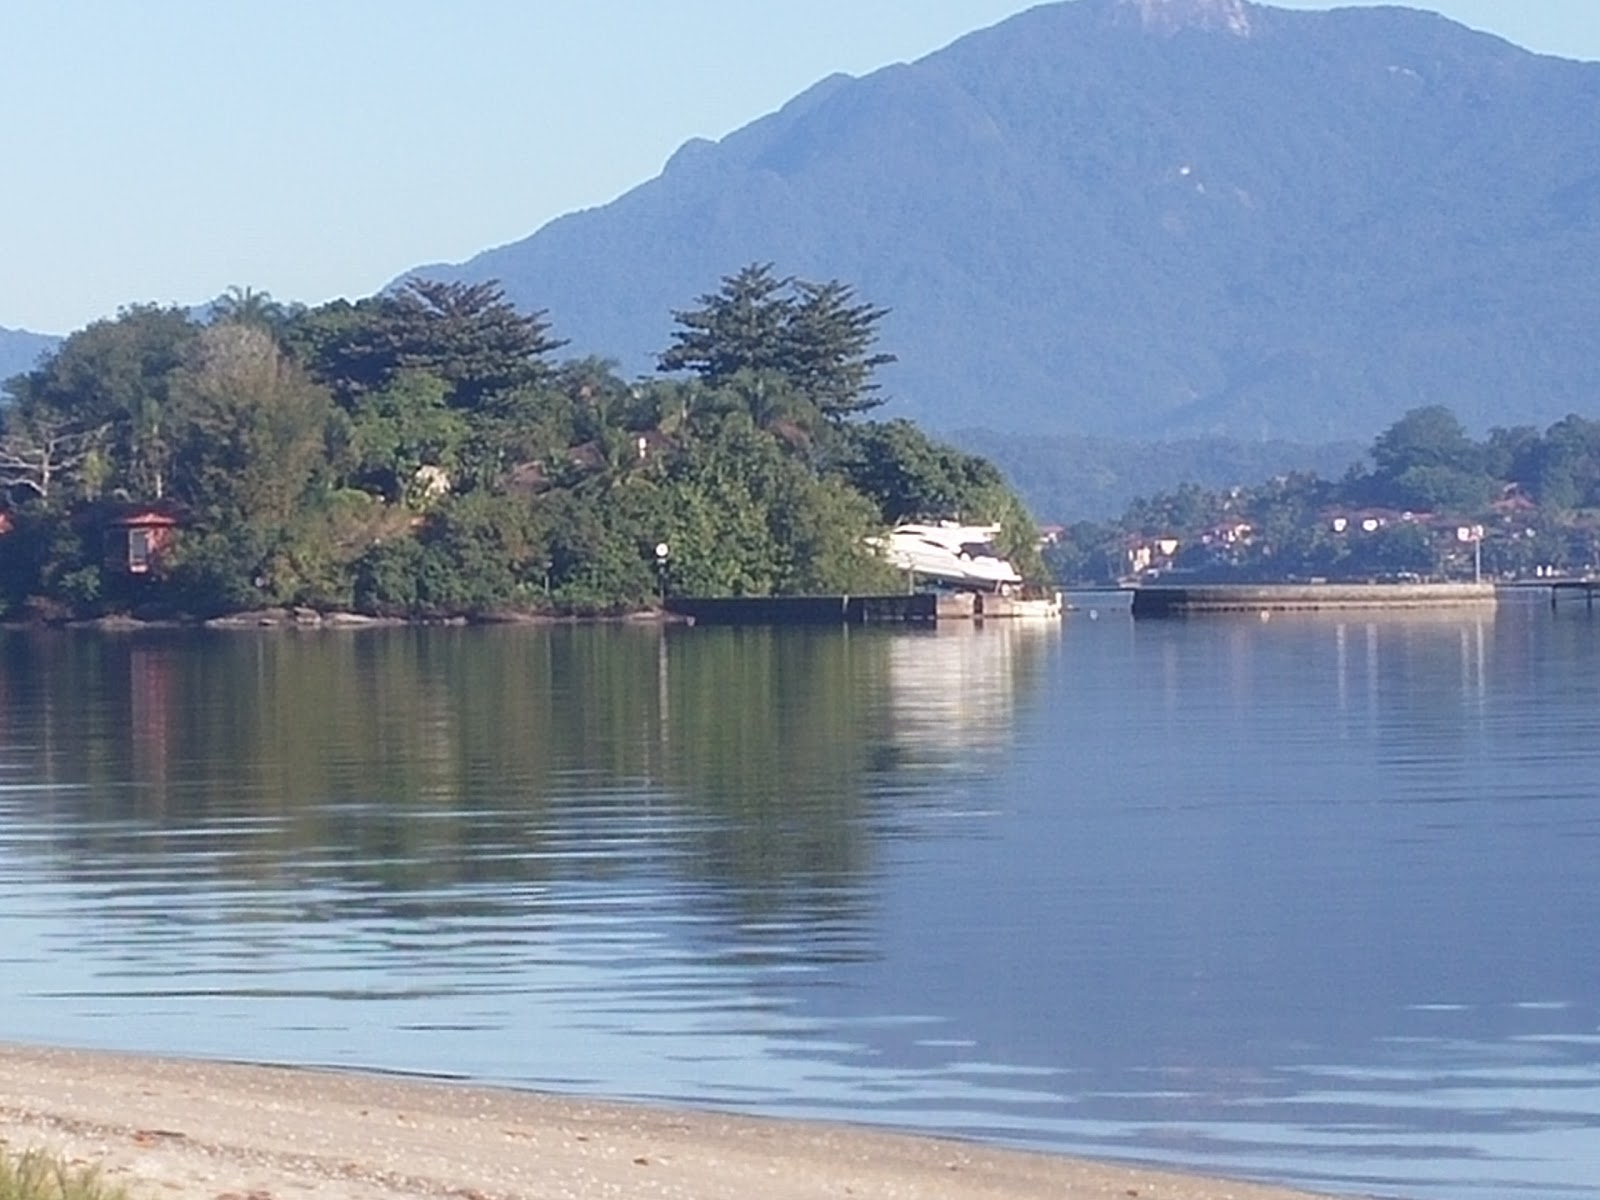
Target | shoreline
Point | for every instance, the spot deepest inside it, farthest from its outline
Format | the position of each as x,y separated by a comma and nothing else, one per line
308,619
187,1129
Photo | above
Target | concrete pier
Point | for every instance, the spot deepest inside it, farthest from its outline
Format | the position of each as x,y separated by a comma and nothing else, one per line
902,608
916,607
1178,601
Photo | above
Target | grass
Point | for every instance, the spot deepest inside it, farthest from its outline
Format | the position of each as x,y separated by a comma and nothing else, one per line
37,1176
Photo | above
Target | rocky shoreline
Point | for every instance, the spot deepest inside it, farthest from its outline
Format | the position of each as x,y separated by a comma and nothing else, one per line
312,618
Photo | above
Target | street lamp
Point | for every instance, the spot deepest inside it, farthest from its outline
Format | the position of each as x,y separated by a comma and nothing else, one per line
1473,534
663,552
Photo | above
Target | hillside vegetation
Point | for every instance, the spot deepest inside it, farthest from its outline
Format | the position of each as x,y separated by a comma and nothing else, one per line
423,454
1072,477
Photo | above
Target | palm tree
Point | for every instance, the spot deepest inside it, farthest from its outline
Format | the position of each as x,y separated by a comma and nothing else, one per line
246,306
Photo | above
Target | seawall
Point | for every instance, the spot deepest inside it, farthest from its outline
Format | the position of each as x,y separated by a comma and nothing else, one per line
1178,601
921,607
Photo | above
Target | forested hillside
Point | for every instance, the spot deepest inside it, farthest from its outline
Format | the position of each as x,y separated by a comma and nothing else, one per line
425,453
1169,218
1066,477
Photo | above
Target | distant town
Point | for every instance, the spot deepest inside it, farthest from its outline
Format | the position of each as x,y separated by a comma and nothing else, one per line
1434,504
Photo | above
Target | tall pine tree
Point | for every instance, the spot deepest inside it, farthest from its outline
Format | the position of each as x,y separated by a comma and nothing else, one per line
814,335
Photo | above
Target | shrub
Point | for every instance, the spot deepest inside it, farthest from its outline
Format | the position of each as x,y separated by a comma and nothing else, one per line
38,1176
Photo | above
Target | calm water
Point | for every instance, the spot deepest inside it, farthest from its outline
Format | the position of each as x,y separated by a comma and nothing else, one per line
1307,899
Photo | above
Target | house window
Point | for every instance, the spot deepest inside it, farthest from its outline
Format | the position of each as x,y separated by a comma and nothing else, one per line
139,549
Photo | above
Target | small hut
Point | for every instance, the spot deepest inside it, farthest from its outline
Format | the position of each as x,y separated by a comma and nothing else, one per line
136,535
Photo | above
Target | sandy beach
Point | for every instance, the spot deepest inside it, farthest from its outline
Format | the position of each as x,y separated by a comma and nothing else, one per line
191,1130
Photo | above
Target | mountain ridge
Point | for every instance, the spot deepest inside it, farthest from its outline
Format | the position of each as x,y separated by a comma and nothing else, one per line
20,350
1160,227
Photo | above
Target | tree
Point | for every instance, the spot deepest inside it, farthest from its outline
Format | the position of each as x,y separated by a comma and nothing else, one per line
1508,450
1086,552
821,527
1562,470
811,334
404,429
830,339
40,451
740,327
1402,549
48,567
597,558
910,476
468,335
1186,510
115,374
1425,437
1442,489
246,306
250,430
1425,460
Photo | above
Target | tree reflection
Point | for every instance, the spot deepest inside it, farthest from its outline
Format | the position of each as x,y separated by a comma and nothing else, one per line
746,767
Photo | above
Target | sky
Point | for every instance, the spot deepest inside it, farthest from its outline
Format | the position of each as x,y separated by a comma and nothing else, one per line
165,150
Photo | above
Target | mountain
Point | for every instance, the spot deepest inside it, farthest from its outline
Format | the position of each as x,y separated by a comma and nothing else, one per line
1073,477
20,350
1148,218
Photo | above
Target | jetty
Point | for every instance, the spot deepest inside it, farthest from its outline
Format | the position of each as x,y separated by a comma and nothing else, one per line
1180,601
906,608
1587,588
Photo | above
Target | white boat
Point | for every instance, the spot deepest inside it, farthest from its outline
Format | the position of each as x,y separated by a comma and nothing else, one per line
1045,605
951,553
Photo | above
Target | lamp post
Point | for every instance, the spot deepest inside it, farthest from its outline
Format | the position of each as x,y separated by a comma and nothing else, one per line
663,552
1473,534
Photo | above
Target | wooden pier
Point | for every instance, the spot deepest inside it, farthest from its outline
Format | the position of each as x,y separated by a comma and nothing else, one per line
1585,587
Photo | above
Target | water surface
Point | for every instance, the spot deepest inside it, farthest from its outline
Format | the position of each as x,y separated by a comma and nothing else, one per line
1310,899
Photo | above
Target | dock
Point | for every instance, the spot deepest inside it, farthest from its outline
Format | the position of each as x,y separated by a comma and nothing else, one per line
1179,601
906,608
1585,587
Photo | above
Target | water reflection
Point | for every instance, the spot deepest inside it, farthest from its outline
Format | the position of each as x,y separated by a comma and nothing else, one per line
953,690
256,792
1306,898
630,847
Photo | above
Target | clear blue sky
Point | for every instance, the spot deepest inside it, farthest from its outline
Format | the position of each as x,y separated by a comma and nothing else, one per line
165,149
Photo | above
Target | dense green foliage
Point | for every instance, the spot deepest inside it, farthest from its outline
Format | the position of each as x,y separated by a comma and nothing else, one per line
1433,503
420,454
811,335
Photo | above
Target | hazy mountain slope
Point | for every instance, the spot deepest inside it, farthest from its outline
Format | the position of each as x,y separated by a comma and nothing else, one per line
20,350
1149,218
1071,477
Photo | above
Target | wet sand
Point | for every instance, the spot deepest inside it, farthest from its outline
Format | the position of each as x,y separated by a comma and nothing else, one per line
190,1130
